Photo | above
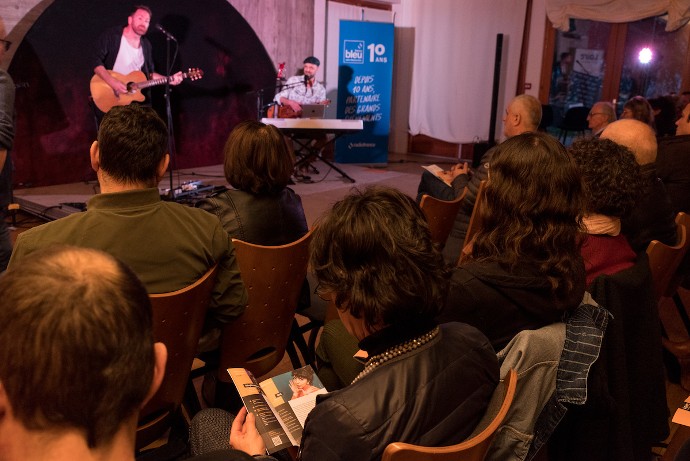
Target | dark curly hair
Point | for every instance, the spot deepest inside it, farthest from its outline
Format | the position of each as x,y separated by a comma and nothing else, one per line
533,211
373,253
612,178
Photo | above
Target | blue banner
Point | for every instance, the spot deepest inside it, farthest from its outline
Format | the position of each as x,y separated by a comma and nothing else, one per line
365,76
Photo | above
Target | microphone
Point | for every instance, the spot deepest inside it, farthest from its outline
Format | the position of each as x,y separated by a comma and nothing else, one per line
306,81
165,32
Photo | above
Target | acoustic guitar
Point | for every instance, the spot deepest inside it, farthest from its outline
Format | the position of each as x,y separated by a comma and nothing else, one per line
287,112
105,97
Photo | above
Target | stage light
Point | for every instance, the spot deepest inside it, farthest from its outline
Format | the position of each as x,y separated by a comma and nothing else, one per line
645,55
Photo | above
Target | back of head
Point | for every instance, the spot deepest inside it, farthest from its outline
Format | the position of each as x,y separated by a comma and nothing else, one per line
639,137
257,158
638,108
610,174
529,108
373,252
533,210
132,141
76,345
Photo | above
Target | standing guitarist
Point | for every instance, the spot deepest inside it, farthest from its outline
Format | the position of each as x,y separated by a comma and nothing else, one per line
124,50
303,89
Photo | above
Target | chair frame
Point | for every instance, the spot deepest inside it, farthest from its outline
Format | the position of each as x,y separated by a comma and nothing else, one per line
264,269
473,226
473,449
178,319
440,214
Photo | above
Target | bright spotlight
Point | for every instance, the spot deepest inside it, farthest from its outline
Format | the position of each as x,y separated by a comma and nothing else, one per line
645,55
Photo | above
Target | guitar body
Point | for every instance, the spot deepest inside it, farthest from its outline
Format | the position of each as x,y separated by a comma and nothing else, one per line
105,98
283,112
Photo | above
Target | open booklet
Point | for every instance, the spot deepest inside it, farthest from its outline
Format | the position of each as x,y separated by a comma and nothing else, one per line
436,171
682,414
280,404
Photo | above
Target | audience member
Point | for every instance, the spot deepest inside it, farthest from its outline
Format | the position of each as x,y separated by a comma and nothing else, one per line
664,110
681,102
613,183
260,208
77,357
673,163
652,217
6,141
638,108
601,114
523,114
374,258
525,269
168,245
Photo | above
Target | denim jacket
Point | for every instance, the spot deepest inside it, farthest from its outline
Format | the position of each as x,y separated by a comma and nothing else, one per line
553,363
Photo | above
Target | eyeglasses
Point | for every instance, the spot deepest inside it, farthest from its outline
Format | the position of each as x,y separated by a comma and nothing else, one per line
322,293
6,43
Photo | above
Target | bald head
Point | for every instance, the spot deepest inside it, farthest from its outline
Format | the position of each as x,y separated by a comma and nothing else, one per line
636,136
523,114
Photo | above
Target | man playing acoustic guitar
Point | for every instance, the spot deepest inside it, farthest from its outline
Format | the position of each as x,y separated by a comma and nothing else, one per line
125,50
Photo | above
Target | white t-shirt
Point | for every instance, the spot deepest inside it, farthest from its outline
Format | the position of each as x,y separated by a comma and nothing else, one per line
128,58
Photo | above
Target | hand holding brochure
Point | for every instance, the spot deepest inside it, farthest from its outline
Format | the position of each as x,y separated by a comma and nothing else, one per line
280,404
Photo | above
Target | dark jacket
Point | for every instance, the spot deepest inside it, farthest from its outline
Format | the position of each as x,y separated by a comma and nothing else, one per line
108,45
653,217
263,220
434,395
502,302
673,168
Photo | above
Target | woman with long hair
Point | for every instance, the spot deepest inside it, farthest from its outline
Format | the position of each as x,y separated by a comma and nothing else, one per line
525,268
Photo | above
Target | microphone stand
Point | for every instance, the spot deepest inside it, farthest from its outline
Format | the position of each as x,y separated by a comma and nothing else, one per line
171,138
260,106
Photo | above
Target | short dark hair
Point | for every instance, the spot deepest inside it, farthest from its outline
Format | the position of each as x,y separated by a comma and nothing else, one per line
132,141
141,7
257,158
374,253
612,178
304,373
532,212
76,342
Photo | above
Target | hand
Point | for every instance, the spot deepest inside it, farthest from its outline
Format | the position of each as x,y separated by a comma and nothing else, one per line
117,86
244,436
292,385
295,106
460,168
176,79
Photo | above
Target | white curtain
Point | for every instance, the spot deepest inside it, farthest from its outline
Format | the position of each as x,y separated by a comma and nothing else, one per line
453,64
560,11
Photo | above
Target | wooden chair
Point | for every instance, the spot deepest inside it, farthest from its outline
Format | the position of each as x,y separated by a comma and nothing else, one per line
178,318
664,262
273,276
473,449
473,226
440,214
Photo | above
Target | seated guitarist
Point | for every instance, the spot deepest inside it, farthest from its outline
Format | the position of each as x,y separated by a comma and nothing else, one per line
305,89
125,50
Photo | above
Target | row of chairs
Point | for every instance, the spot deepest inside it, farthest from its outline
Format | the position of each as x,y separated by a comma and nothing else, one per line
257,340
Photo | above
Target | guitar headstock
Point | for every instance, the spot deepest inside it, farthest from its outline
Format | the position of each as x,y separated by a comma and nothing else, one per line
194,73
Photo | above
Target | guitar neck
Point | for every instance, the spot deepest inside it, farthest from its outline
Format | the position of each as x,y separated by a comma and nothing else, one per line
155,81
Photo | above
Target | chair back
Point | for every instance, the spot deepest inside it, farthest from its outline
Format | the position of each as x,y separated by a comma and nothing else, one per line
473,449
440,214
473,226
273,277
178,318
665,260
